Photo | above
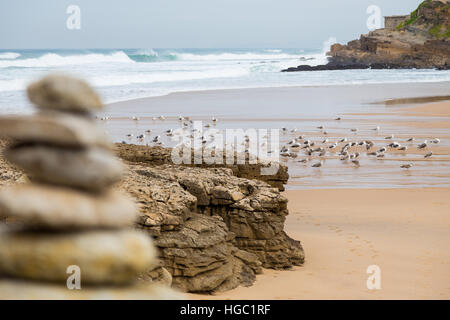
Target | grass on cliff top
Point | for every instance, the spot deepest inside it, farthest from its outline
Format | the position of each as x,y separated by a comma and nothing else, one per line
437,30
413,16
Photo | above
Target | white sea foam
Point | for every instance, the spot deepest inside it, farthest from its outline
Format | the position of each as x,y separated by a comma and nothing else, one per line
56,60
9,55
228,56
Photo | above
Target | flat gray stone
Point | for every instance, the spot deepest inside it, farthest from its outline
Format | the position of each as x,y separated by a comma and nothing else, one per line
65,93
26,290
56,129
104,257
63,208
90,169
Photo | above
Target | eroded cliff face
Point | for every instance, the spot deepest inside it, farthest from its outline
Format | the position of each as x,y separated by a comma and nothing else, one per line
420,42
215,231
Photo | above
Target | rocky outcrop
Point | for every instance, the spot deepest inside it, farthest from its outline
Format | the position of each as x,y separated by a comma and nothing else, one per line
158,156
69,221
420,42
214,230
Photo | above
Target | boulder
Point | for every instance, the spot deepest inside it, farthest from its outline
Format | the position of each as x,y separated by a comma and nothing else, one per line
91,169
104,257
64,93
51,207
54,129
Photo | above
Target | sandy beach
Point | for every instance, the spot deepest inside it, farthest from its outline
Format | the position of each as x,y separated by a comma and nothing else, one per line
348,217
404,231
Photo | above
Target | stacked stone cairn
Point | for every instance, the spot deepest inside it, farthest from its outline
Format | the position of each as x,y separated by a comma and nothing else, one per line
74,237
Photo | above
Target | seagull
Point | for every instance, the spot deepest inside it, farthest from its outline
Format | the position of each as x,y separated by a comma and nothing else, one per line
303,161
422,145
317,164
320,127
435,141
410,140
332,146
389,137
428,155
325,140
148,131
380,155
404,148
343,140
354,129
356,162
130,135
382,150
136,118
156,139
162,118
406,166
338,118
377,128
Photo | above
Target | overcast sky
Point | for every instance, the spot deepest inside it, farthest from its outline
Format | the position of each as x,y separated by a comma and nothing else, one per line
188,23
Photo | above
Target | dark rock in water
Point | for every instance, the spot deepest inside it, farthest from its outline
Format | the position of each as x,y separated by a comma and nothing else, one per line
421,42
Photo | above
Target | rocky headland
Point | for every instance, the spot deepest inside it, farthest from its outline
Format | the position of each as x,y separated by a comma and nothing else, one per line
420,41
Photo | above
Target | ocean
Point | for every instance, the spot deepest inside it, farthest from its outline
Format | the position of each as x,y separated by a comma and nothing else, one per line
123,74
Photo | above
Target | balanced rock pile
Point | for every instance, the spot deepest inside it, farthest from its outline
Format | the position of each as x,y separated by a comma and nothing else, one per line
70,218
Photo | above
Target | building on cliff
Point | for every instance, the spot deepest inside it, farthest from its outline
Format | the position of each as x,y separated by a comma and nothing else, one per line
390,22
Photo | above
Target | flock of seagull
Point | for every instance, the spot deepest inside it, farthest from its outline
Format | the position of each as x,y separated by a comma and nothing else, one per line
342,147
311,149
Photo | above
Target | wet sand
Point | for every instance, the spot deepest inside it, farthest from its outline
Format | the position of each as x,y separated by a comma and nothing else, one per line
303,109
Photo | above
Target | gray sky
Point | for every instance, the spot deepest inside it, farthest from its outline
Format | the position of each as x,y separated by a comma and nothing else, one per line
188,23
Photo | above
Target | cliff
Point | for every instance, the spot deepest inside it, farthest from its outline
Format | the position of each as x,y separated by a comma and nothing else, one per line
421,42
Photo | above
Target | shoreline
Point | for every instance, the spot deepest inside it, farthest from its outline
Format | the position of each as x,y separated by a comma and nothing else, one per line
205,91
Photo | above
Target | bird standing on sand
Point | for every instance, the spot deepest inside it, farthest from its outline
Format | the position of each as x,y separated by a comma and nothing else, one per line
422,145
389,137
428,155
406,166
317,164
435,141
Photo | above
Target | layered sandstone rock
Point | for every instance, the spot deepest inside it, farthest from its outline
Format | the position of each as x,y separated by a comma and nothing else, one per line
157,156
214,230
421,42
